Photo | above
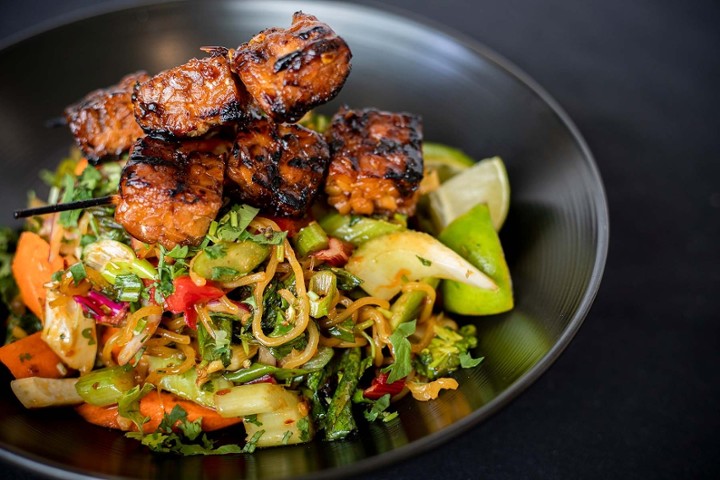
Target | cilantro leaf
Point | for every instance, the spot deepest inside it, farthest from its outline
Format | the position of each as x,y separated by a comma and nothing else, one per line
466,360
402,349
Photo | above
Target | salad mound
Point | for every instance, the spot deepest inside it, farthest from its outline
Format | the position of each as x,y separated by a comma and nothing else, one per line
286,279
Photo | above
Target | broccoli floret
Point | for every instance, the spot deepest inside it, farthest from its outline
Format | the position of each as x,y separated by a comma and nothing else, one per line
445,352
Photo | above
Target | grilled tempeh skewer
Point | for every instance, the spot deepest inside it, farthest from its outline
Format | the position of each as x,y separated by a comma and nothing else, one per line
277,167
376,164
103,122
170,191
191,99
290,71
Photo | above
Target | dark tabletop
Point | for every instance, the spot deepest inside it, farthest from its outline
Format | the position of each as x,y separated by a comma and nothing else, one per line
636,394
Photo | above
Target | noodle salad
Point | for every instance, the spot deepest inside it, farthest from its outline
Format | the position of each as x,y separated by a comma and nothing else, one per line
238,271
264,323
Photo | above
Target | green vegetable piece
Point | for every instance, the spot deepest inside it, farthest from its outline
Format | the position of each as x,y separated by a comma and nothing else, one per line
240,259
339,421
112,258
217,346
473,236
257,370
355,229
185,386
408,304
447,351
310,239
385,263
447,161
402,366
105,386
323,286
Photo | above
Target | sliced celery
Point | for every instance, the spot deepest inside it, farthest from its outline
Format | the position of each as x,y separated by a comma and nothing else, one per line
105,386
310,239
355,229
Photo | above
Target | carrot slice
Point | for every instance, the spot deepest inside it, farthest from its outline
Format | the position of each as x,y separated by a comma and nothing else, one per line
155,405
32,270
31,357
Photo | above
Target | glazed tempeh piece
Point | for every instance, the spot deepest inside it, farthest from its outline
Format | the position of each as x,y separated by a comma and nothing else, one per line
290,71
170,191
277,167
190,100
376,164
103,122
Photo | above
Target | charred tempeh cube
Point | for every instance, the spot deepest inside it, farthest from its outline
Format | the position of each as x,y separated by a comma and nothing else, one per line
277,167
170,191
376,164
103,122
189,100
290,71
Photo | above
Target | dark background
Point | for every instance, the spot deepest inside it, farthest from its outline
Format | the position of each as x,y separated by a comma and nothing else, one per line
636,394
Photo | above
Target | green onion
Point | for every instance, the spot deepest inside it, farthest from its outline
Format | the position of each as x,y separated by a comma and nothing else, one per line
105,386
310,239
355,229
324,285
128,287
78,272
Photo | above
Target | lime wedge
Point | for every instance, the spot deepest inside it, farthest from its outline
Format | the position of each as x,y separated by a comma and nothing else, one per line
447,161
474,238
485,182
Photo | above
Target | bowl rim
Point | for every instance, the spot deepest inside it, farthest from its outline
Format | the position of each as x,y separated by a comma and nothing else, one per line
39,465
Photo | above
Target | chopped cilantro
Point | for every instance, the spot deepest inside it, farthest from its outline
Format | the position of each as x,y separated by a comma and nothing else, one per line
88,334
424,261
216,251
78,272
401,347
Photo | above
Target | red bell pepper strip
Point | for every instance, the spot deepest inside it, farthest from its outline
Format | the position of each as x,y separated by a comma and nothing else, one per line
187,294
380,387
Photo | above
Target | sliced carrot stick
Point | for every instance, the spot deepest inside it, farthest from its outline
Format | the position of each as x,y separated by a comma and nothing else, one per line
32,270
102,416
80,166
31,357
155,405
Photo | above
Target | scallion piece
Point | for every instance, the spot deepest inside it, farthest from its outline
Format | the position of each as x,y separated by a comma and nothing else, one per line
324,286
128,287
310,239
105,386
355,229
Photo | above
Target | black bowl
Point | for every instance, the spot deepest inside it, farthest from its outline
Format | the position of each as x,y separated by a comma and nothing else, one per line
555,238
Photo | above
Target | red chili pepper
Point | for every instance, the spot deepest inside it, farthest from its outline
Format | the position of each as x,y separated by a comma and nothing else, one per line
380,387
337,253
187,295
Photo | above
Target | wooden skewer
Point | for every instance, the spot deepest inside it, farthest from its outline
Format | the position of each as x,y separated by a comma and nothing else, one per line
62,207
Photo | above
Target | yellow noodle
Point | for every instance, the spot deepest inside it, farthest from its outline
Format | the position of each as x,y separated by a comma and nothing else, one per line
303,307
425,339
136,343
246,280
173,336
205,319
107,349
428,301
188,362
358,304
176,324
239,356
295,358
